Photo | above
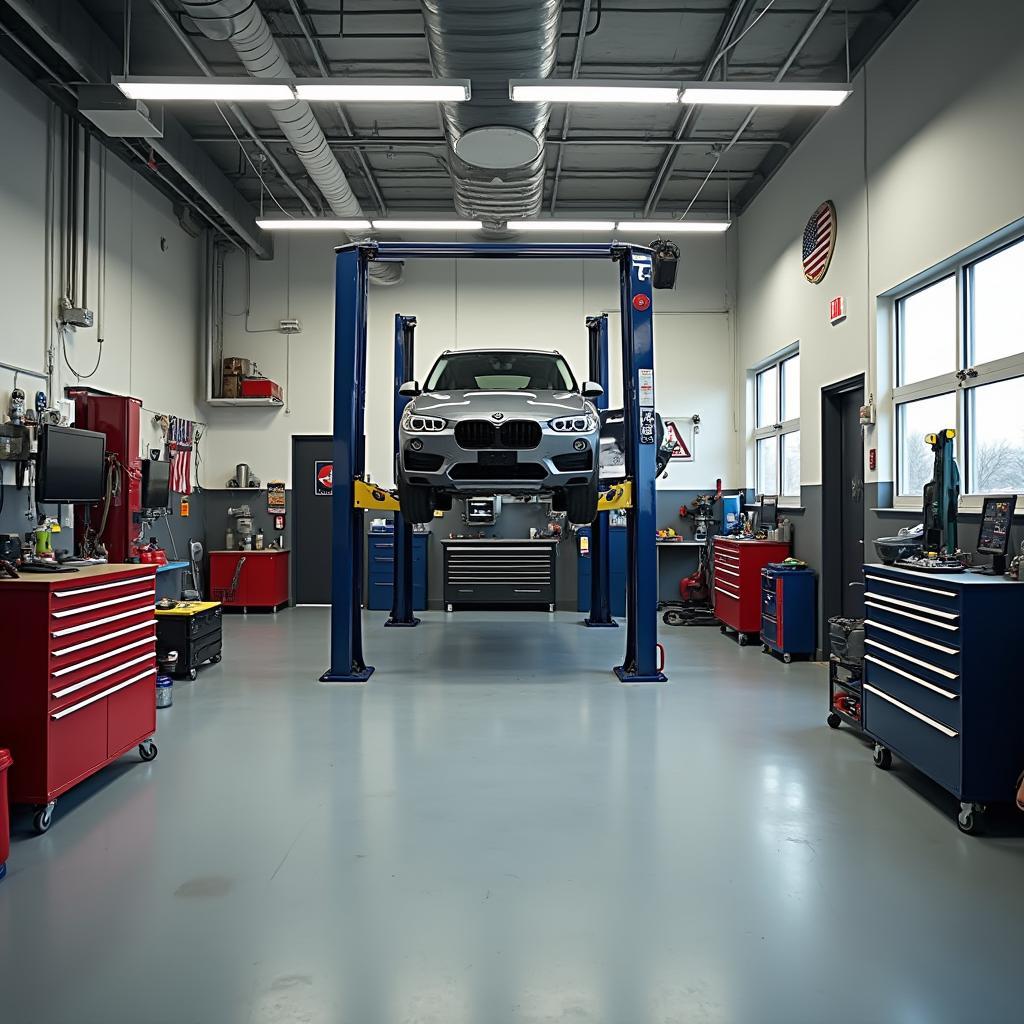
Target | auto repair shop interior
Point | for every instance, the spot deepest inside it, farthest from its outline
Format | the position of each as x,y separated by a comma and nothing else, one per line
509,511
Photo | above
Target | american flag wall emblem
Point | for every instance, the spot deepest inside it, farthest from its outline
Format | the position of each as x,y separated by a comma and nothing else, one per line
819,242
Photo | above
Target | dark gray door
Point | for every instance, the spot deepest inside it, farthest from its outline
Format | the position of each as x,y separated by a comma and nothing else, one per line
311,526
851,481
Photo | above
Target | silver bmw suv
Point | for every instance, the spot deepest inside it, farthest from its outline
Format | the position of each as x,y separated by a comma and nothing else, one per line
491,421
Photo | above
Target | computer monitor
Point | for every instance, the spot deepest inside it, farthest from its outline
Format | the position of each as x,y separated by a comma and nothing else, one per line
768,514
70,466
994,535
156,484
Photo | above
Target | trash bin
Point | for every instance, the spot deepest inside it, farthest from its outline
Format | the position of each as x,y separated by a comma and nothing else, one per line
5,825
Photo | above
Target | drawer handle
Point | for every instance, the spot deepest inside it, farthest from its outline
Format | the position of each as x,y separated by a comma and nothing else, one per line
102,639
104,604
912,660
913,607
910,586
520,591
937,726
735,597
103,657
911,677
102,622
726,572
58,715
57,694
923,641
909,615
142,577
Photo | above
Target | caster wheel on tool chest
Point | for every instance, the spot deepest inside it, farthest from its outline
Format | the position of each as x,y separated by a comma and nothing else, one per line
741,639
788,658
721,629
215,660
43,819
882,757
765,648
833,720
193,674
969,820
147,751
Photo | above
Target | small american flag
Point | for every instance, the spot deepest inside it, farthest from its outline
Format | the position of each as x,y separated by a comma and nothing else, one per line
819,241
179,450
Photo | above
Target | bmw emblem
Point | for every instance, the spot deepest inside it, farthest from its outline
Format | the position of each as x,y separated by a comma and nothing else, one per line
497,415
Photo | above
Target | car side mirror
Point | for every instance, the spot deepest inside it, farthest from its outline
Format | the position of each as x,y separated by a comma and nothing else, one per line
410,389
591,389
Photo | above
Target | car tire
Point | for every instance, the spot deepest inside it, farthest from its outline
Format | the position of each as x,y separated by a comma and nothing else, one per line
558,501
581,504
442,502
416,502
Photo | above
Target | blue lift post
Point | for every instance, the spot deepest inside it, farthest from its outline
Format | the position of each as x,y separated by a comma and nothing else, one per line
600,542
641,661
401,601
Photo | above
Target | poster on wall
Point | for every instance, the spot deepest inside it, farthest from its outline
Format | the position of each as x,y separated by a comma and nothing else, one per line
276,501
681,430
323,478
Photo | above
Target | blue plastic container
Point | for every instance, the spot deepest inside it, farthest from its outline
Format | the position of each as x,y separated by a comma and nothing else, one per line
731,507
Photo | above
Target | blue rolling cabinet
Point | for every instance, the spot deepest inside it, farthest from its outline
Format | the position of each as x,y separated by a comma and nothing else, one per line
616,572
381,570
942,681
788,610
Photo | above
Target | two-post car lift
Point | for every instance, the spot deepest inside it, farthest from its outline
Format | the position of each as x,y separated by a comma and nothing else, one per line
351,494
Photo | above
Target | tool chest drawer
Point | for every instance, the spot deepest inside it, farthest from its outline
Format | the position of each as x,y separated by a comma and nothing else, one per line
81,674
381,571
499,572
941,677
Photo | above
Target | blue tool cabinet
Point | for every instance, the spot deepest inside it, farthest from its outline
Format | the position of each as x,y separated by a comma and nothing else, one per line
787,610
942,680
381,570
616,571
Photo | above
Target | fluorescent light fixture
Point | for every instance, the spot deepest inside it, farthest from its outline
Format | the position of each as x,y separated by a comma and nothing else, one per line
383,90
427,225
768,94
592,91
311,224
561,225
673,226
238,90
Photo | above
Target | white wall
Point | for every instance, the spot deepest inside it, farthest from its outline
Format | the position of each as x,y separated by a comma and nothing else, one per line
150,318
463,304
922,161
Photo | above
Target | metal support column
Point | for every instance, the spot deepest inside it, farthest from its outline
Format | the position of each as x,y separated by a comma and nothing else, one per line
351,277
600,539
401,601
642,663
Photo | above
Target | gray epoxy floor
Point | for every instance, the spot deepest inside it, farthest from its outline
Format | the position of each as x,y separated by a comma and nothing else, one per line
493,830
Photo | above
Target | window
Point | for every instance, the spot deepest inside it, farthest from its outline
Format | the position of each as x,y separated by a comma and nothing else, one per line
777,427
960,364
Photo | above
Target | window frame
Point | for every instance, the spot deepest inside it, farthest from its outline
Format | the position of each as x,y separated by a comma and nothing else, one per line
774,430
961,382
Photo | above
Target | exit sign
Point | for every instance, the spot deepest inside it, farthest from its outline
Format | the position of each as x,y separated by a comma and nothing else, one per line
837,310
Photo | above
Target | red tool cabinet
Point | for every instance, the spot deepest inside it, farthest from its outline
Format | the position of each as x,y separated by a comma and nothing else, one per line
262,583
78,686
737,579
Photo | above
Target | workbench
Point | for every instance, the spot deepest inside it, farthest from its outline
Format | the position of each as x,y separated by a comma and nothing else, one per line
79,677
942,680
193,629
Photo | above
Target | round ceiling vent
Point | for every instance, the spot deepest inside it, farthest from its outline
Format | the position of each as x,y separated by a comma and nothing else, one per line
497,147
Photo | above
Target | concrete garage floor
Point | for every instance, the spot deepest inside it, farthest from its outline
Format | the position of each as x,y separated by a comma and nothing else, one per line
493,830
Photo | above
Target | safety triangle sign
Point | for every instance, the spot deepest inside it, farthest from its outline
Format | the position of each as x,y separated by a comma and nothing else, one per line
683,451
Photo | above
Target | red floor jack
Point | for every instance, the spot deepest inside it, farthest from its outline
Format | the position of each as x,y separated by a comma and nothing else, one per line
694,608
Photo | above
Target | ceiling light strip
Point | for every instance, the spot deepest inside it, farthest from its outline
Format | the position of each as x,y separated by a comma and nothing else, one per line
247,89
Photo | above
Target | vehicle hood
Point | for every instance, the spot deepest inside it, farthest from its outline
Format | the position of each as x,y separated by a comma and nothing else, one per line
535,404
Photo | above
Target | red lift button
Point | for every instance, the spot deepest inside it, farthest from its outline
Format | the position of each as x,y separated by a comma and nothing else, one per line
641,302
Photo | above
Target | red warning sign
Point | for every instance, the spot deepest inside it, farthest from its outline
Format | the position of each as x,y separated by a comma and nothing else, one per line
641,302
323,482
683,451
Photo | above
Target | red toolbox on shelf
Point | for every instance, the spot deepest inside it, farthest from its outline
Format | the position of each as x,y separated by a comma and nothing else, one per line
79,676
261,387
737,581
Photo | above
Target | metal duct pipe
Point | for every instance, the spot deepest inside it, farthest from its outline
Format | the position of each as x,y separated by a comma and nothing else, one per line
497,147
241,23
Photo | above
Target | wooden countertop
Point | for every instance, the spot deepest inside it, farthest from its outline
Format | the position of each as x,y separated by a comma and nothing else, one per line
85,572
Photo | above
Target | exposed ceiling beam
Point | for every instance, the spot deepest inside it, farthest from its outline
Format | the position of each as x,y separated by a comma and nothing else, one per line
69,31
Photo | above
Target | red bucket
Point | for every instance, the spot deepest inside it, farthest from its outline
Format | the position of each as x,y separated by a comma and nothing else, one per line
5,824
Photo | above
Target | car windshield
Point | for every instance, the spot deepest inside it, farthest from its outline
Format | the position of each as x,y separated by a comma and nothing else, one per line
501,371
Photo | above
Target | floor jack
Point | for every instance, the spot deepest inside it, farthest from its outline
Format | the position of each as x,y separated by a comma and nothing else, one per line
694,607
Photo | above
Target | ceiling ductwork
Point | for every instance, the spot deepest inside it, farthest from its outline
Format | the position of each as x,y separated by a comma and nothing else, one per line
496,146
241,23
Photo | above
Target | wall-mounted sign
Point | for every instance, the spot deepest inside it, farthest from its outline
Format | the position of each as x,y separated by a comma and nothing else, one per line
819,242
323,479
837,310
681,431
276,500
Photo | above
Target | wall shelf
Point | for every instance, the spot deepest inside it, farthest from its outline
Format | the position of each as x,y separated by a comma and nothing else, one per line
265,403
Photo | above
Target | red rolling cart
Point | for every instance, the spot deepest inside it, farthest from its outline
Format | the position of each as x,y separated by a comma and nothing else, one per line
250,579
737,582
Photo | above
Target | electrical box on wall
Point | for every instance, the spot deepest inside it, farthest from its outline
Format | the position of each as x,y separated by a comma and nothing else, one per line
867,415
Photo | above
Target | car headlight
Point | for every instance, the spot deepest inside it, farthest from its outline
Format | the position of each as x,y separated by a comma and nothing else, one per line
414,423
582,424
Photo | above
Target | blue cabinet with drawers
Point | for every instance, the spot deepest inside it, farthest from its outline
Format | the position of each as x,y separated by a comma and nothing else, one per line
942,680
380,576
788,610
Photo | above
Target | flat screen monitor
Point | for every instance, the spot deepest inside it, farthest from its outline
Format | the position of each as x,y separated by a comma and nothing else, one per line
71,466
996,520
156,484
768,516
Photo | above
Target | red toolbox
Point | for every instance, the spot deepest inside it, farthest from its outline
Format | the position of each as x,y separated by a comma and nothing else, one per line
737,581
261,387
261,582
79,677
5,820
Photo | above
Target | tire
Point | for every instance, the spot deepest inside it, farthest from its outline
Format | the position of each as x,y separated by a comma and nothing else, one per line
558,501
443,502
43,819
581,504
833,720
882,757
147,751
416,502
